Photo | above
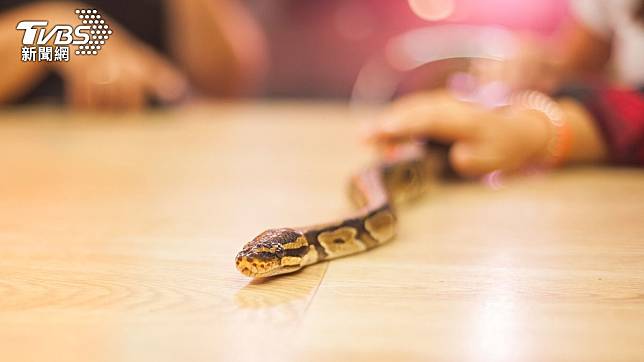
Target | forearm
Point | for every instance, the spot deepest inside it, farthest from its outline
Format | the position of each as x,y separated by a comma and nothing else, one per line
577,52
617,115
17,77
587,144
217,44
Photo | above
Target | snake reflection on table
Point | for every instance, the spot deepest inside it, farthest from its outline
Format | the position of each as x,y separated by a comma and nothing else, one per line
404,176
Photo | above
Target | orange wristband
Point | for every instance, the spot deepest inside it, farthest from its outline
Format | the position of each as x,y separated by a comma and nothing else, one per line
560,141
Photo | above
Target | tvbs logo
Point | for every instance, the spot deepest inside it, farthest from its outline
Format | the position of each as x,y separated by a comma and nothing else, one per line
43,44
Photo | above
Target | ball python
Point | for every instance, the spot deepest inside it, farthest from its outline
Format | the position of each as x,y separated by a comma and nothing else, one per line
404,175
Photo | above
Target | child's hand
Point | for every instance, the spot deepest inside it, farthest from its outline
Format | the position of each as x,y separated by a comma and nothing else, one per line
124,75
483,139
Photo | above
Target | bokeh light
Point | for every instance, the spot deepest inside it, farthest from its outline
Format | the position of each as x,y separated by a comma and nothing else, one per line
432,10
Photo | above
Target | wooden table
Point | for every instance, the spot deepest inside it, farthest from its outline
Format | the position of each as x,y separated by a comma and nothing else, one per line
118,233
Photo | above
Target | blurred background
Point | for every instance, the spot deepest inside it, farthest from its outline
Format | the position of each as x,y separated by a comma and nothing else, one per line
319,48
230,48
169,52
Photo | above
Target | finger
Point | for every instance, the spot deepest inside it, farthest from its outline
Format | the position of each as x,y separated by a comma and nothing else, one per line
133,95
97,95
164,80
437,118
92,95
130,94
473,160
76,92
101,92
104,96
127,91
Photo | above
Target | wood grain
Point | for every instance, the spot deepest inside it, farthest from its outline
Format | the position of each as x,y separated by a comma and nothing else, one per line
117,238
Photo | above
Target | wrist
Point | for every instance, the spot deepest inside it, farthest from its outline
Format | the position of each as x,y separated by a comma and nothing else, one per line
539,134
588,144
556,149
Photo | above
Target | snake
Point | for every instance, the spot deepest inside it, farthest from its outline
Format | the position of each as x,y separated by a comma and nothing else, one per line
404,175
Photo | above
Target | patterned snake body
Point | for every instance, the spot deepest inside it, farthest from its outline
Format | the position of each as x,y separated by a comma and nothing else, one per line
374,191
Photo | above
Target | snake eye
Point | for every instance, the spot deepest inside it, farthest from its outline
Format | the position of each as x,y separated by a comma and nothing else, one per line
279,250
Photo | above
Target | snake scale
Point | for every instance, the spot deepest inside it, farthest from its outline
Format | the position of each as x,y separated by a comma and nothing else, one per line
405,175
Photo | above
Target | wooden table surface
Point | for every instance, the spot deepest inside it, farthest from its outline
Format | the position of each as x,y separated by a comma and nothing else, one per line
118,236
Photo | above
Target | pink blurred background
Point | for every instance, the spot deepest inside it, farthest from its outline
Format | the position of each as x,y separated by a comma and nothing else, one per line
347,32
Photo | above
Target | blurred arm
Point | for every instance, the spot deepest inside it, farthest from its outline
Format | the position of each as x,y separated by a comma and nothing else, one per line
217,43
483,139
618,116
587,142
16,77
580,51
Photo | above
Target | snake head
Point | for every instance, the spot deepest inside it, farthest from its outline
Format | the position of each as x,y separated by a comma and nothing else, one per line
275,251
